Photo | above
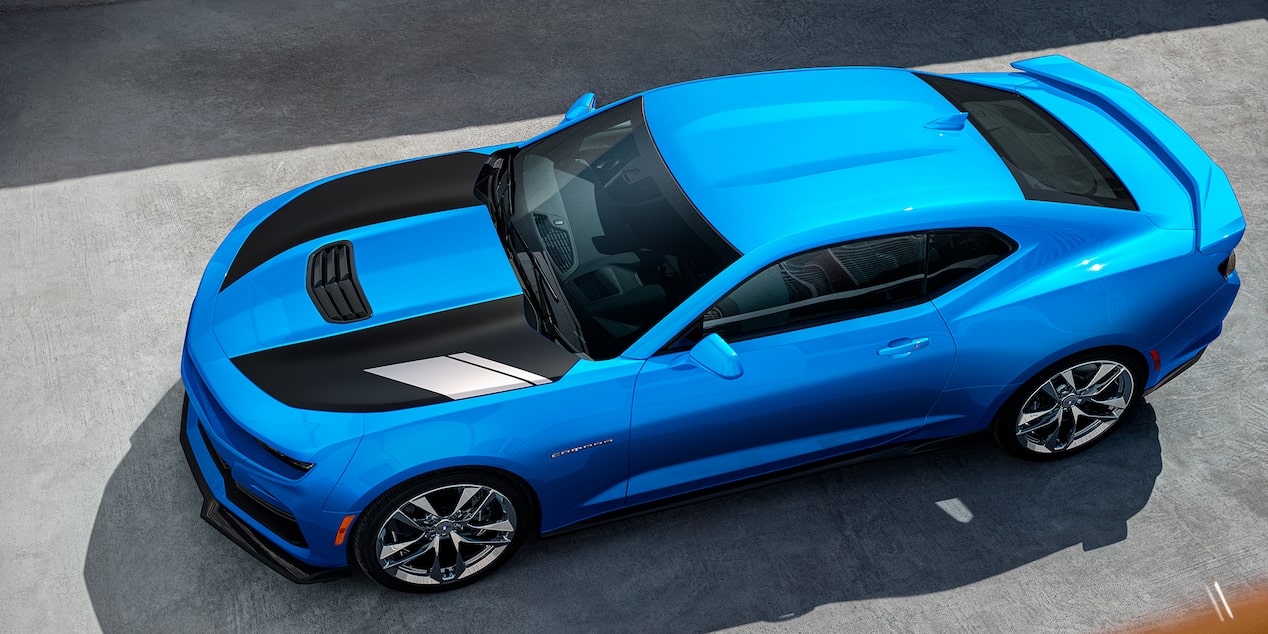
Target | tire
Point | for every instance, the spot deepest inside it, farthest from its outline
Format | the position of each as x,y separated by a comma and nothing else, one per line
1070,406
442,531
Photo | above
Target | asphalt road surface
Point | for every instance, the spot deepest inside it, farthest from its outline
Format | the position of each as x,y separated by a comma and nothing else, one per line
133,135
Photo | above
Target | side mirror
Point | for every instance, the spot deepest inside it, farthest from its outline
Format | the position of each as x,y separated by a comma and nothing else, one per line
583,105
717,356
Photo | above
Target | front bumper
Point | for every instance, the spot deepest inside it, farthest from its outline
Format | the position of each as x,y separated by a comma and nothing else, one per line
242,533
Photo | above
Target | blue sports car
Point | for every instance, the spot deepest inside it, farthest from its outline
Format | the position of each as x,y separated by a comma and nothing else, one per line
413,367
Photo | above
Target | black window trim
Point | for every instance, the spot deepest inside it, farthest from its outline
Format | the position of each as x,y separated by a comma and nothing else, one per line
694,332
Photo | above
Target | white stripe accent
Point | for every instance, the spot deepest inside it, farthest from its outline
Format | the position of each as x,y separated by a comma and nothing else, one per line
1223,600
1213,603
501,367
450,377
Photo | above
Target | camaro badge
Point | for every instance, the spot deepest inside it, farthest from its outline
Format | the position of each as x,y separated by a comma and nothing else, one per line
585,446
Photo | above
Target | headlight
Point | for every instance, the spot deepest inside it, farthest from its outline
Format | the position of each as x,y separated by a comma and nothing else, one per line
298,464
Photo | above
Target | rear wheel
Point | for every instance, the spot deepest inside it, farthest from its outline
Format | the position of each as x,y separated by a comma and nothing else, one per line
1070,406
442,531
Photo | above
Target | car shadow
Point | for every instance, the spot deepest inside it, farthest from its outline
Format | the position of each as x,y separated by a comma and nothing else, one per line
899,527
124,86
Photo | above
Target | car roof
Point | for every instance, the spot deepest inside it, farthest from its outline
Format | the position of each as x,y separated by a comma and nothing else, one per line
772,154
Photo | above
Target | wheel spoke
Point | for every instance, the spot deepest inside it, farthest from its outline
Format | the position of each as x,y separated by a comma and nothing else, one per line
400,516
1079,412
1071,432
466,496
500,540
1027,417
1098,422
483,503
1102,369
423,503
1051,390
1114,402
1047,418
1096,386
1066,430
391,549
1068,376
433,546
435,573
504,526
1101,372
1049,443
460,565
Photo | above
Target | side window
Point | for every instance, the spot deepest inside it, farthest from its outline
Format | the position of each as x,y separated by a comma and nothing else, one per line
852,279
955,256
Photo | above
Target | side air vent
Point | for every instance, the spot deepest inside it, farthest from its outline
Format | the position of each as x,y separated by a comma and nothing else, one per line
333,286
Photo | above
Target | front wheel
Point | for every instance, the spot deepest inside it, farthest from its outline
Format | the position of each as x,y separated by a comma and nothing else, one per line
1069,406
441,531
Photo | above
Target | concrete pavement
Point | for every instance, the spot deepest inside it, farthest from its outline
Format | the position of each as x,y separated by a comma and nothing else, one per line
133,135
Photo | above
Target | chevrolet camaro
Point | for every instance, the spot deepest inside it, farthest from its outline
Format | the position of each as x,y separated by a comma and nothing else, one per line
411,368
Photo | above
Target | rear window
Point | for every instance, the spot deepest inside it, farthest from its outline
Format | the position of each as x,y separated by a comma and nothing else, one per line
1049,162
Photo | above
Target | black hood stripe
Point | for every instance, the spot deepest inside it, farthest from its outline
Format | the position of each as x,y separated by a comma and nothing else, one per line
402,190
331,374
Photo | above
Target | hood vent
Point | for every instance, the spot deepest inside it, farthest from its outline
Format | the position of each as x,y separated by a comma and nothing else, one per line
333,285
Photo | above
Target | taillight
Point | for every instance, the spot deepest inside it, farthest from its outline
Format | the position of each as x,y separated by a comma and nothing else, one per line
1229,264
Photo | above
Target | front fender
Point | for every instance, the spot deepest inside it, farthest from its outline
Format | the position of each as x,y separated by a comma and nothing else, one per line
524,432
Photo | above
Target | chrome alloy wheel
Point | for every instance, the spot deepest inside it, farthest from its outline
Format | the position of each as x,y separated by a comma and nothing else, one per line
1074,407
446,534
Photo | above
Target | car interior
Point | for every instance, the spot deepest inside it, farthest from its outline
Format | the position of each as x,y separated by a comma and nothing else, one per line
622,249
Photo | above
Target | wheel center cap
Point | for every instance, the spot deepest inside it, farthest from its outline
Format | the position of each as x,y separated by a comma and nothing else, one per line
444,528
1069,401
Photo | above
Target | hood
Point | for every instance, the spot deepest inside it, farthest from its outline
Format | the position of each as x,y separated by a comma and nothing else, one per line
381,289
449,355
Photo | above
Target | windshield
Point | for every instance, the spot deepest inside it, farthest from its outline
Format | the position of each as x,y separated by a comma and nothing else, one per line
623,244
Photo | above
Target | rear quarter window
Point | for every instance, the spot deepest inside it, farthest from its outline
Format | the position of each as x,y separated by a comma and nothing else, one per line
955,256
1048,161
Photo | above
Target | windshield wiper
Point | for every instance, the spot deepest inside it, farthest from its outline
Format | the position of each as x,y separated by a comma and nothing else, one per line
545,310
498,197
579,344
504,201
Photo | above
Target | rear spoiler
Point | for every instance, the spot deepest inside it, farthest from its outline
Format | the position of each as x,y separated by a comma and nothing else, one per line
1216,214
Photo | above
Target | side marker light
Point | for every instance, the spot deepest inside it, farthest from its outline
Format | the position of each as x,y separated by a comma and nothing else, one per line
1157,360
343,530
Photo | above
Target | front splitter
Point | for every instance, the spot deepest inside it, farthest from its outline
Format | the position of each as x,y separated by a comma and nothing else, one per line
243,534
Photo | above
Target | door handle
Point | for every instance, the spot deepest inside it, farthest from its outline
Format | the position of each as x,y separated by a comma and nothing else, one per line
900,348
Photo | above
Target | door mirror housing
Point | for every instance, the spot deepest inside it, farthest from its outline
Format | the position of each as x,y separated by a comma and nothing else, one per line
579,108
714,354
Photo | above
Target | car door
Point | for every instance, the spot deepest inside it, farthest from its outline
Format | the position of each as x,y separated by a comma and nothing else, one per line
840,350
